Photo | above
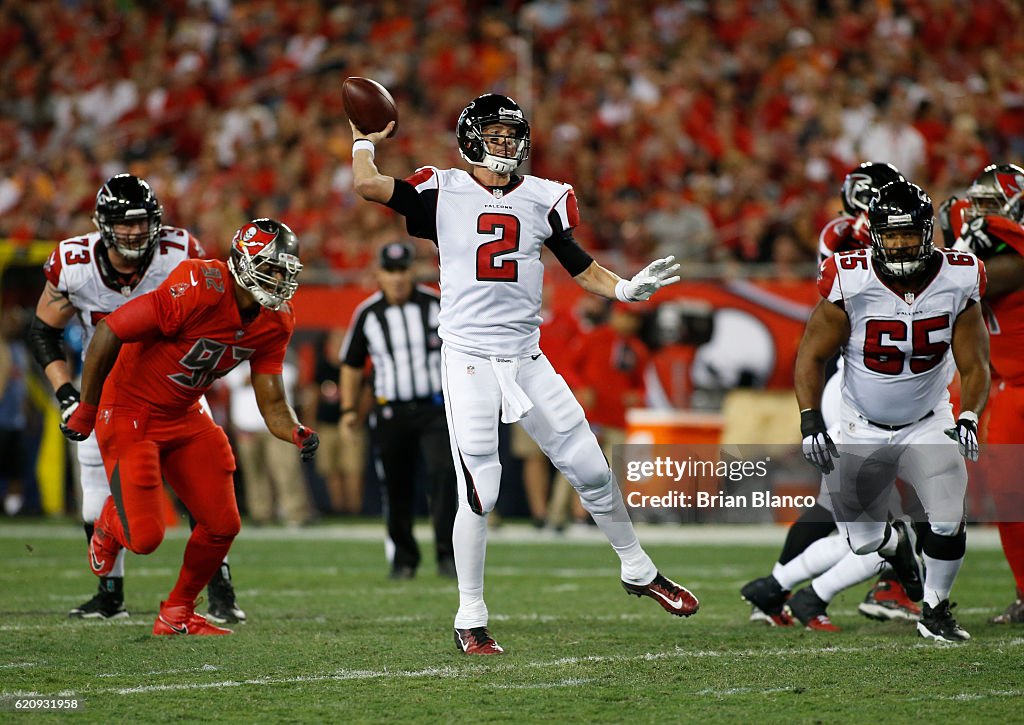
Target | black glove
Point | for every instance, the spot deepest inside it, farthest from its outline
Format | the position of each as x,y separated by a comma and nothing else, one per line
307,440
977,239
819,450
68,398
966,434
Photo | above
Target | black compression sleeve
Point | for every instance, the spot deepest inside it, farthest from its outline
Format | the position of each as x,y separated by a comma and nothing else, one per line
568,252
46,343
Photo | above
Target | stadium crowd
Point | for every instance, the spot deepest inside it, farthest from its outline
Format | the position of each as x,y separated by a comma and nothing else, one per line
714,131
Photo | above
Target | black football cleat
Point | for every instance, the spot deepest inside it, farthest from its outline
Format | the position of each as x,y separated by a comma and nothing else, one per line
768,596
938,624
810,609
222,608
904,562
107,604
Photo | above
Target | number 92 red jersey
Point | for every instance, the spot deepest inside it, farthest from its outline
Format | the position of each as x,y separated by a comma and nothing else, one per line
185,334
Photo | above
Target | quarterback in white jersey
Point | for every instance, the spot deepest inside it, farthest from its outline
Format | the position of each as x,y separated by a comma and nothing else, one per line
896,312
89,277
490,226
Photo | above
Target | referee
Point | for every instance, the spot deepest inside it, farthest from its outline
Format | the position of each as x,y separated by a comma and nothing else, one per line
396,328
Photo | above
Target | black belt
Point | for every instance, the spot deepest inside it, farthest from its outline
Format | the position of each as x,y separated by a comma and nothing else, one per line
886,426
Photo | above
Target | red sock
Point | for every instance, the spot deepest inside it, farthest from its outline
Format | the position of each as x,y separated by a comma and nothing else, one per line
203,554
1012,535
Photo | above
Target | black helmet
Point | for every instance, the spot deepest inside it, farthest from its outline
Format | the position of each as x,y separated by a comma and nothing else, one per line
860,185
485,111
998,190
259,251
901,206
127,199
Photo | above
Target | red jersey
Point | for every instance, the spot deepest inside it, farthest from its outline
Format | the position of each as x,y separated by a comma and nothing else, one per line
1006,313
185,334
843,234
611,366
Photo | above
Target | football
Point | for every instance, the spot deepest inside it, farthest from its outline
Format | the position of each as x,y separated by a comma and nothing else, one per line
369,105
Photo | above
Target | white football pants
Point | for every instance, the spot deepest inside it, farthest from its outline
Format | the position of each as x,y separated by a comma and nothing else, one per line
473,401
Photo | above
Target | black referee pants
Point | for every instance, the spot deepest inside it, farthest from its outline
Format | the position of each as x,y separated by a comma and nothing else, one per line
402,433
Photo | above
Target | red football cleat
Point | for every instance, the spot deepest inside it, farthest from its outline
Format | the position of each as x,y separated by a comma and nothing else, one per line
477,641
888,600
674,599
103,551
182,619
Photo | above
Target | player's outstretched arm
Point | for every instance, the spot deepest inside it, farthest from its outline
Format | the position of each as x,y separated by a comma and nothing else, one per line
279,415
103,352
600,281
827,329
369,182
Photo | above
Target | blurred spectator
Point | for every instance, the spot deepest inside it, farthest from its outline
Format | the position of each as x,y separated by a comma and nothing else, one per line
234,109
275,488
13,395
341,460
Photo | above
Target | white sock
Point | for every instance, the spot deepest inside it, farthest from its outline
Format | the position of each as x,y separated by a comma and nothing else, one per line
817,558
851,569
637,567
888,547
939,576
118,570
469,539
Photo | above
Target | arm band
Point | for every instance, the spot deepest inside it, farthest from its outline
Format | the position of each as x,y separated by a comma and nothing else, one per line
46,343
568,252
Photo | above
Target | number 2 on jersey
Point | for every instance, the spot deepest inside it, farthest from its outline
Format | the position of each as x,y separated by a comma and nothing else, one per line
489,268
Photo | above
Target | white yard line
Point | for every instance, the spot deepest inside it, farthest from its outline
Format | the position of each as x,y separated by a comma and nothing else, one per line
512,668
979,537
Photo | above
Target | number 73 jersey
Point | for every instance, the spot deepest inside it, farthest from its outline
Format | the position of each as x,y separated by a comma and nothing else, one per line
490,244
899,341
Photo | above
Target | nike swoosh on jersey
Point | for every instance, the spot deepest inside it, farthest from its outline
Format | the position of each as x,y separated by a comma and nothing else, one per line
194,281
534,357
674,603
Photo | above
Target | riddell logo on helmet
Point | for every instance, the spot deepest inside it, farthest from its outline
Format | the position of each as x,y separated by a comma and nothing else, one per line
513,112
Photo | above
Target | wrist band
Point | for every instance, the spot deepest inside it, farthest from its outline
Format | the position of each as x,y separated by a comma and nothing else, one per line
363,144
969,415
620,291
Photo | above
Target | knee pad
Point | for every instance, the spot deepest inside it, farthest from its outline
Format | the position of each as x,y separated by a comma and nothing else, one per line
559,407
145,534
482,482
578,455
600,498
946,547
866,538
946,528
95,490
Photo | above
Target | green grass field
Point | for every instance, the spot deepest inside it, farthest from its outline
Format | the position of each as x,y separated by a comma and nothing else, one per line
331,639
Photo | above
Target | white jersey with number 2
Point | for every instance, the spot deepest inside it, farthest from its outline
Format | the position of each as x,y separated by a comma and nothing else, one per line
894,359
490,244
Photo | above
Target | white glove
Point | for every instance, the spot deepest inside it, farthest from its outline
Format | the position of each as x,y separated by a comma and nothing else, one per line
966,434
647,281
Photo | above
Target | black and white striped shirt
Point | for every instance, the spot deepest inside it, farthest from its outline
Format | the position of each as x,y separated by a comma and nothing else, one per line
402,342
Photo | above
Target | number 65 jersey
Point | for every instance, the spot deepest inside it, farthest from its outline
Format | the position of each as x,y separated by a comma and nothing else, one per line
899,340
490,243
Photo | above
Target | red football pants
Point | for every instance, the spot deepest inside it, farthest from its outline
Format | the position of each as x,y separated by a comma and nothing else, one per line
192,453
1006,426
